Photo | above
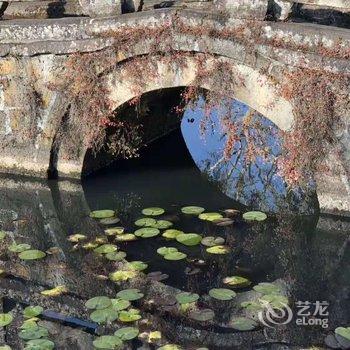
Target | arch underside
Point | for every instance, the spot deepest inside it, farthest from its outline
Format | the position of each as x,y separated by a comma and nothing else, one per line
251,87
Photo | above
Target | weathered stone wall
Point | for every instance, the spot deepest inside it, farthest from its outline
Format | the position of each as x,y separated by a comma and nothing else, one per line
33,53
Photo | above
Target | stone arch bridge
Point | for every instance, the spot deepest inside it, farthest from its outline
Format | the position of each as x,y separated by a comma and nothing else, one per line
261,40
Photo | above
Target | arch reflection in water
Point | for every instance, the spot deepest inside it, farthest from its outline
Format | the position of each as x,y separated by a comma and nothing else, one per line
245,170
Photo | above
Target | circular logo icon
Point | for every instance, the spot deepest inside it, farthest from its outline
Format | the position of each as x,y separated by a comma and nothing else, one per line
271,317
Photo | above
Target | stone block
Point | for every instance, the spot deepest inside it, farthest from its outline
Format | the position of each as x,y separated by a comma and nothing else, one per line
101,8
254,9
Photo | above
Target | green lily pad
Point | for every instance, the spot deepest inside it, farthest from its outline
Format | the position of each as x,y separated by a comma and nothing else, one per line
267,288
170,347
19,248
129,316
237,281
106,248
30,323
171,233
343,332
114,231
166,250
145,222
154,211
33,333
254,216
106,315
162,224
189,239
39,344
137,265
186,297
2,235
212,241
122,275
5,319
98,303
243,324
218,249
192,210
252,306
120,304
127,333
222,294
147,232
275,301
78,237
90,245
174,256
109,221
108,342
5,347
102,214
116,256
203,315
32,311
126,237
130,294
32,255
210,216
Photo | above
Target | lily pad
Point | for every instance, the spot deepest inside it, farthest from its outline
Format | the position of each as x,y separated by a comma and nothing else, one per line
137,265
186,297
267,288
5,347
218,249
212,241
126,237
192,210
166,250
243,324
203,315
129,316
162,224
252,306
275,301
33,333
2,235
76,238
343,332
122,275
189,239
127,333
172,233
98,303
120,304
106,248
254,216
109,221
32,311
108,342
222,294
170,347
19,248
39,344
130,294
104,315
116,256
147,232
154,211
175,256
5,319
90,245
210,216
102,214
55,292
145,222
114,231
32,255
237,281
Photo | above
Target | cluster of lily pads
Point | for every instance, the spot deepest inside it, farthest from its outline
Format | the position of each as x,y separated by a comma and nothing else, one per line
34,335
24,250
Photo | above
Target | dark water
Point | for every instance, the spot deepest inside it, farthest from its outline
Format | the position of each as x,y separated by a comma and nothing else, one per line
309,255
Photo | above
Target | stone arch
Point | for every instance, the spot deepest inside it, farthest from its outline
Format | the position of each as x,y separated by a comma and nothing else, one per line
253,89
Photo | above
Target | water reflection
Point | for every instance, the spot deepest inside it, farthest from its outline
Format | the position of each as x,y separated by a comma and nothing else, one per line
308,254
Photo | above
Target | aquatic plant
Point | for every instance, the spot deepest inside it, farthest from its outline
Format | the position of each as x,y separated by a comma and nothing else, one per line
106,248
32,311
186,297
218,249
254,216
222,294
55,292
171,233
108,342
147,232
131,315
130,294
211,241
145,222
127,333
202,315
102,214
243,324
154,211
32,255
122,275
116,256
210,216
189,239
236,281
5,319
192,210
97,303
